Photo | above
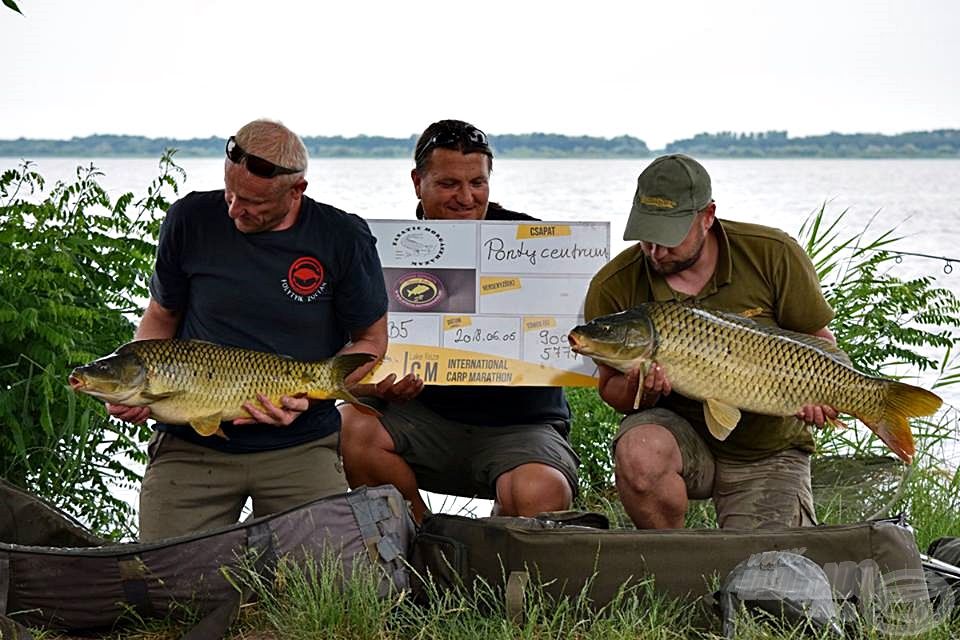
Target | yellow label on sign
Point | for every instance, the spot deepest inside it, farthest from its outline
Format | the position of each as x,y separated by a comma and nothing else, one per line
490,284
533,323
533,231
455,322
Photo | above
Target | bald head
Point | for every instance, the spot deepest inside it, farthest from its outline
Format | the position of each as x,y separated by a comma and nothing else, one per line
272,141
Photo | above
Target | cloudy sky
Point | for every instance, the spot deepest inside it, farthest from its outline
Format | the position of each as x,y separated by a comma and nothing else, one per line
656,70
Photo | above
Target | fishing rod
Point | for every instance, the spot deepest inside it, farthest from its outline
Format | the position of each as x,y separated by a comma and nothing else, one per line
947,266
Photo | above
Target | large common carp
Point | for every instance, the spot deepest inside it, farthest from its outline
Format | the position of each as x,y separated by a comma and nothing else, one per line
201,383
730,362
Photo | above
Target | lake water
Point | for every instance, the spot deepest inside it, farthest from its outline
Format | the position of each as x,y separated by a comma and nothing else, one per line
918,197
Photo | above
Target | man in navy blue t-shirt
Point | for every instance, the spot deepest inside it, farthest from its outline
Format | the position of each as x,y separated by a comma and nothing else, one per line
504,443
261,266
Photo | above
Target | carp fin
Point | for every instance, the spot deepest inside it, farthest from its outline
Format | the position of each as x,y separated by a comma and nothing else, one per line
208,425
721,418
745,319
344,365
154,397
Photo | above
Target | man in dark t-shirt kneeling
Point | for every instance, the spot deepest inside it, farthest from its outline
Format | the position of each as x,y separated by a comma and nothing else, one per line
504,443
257,265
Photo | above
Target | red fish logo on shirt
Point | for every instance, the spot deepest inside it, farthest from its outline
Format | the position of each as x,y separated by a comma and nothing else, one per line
305,275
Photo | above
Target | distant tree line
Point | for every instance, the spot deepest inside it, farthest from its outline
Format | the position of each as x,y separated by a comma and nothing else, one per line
538,145
942,143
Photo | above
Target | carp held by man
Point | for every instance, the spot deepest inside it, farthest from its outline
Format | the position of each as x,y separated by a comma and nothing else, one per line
731,363
202,383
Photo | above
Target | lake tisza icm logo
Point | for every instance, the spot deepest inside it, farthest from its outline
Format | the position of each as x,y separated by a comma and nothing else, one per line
418,290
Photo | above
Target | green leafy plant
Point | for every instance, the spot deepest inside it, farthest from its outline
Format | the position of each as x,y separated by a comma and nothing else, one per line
73,267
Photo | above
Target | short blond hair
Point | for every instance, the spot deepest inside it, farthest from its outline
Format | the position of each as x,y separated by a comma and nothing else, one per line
272,141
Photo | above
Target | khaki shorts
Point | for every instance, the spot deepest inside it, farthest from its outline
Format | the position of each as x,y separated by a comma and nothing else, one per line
773,492
189,488
466,460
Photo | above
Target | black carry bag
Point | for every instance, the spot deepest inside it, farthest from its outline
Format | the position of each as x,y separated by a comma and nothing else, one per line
686,564
92,587
942,567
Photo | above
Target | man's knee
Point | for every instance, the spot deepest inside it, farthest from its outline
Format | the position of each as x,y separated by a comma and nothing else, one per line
533,488
644,455
359,432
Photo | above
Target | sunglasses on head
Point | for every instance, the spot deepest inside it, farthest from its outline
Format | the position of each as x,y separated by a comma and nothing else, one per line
255,164
469,138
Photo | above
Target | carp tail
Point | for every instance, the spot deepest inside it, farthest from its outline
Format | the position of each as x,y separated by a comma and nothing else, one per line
341,367
902,401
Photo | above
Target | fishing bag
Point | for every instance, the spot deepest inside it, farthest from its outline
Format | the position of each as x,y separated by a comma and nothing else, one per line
567,559
942,566
85,587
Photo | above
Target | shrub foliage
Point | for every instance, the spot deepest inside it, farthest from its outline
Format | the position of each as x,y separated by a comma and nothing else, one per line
72,275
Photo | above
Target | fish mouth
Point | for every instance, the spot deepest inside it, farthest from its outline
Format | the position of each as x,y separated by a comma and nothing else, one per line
578,344
76,383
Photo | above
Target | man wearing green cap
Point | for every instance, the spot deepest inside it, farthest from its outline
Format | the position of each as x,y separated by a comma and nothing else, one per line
759,477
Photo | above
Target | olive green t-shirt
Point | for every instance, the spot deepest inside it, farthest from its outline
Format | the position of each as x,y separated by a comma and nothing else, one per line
758,268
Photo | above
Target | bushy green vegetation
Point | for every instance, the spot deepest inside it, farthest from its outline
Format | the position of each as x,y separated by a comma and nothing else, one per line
540,145
941,143
72,268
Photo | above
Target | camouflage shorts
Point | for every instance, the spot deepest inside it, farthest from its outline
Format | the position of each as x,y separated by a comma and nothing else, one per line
774,492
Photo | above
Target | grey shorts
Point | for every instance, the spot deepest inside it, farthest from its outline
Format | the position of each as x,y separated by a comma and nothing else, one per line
773,492
466,460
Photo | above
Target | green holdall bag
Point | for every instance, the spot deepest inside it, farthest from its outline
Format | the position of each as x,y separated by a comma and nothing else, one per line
56,575
567,558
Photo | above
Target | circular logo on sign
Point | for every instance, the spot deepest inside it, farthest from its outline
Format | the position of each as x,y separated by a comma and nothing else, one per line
418,245
305,275
419,290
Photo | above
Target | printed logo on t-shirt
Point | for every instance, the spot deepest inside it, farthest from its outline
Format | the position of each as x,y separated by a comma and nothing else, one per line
304,281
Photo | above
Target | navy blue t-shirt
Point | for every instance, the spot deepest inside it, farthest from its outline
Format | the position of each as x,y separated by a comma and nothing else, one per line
298,292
